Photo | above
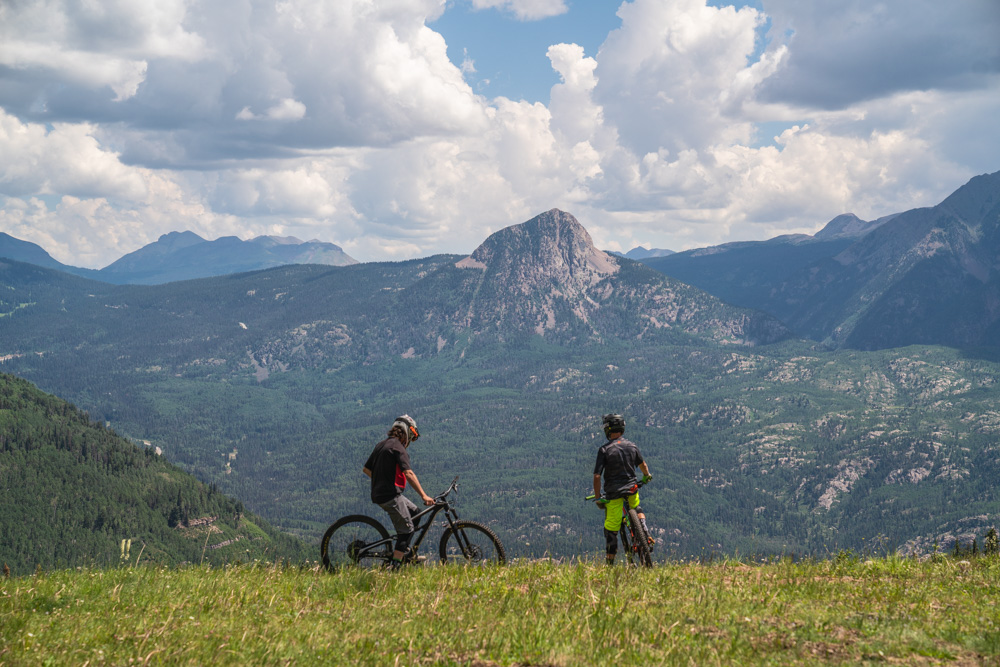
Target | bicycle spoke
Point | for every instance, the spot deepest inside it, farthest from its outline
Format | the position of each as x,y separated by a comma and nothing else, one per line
471,543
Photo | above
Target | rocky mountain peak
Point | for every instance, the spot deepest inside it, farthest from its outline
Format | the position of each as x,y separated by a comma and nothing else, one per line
973,202
546,277
849,225
177,240
551,246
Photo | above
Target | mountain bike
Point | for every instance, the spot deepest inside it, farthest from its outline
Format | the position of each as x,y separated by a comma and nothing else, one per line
361,540
634,538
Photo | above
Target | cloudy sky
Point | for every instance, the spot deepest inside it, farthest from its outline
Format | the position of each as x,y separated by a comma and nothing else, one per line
402,128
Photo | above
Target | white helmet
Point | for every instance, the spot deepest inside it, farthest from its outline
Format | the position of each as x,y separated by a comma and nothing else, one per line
409,426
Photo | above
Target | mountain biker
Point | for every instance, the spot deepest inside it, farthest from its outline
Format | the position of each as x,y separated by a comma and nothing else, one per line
617,459
389,469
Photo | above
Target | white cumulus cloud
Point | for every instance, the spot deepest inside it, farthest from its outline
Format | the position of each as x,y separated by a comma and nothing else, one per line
525,10
691,124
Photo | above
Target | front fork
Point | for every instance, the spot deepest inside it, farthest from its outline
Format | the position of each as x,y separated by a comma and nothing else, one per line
463,541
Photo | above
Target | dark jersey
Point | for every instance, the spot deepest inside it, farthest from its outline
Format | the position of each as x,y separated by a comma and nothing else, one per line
617,460
388,461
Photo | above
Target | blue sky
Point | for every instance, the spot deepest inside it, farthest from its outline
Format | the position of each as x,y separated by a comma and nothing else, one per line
509,54
403,128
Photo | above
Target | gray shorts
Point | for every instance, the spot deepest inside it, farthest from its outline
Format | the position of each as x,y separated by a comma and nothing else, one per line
400,510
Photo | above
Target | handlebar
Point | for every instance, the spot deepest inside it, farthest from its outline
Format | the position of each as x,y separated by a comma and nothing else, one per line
438,499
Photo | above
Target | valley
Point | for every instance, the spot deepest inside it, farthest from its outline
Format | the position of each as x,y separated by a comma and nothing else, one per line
275,384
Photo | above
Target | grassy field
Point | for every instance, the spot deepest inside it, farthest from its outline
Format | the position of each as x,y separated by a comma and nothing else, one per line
844,611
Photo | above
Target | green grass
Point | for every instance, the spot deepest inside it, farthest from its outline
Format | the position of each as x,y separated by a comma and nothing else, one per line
830,612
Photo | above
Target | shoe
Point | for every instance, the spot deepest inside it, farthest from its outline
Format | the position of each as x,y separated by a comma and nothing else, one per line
412,558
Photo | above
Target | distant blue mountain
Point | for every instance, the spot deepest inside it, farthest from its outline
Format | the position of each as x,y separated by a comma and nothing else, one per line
645,253
745,272
30,253
639,253
185,255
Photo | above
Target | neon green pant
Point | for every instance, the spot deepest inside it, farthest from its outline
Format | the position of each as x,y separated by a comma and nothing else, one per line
613,511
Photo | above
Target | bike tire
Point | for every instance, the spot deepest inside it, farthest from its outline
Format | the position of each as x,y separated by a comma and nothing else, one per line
346,536
471,543
640,539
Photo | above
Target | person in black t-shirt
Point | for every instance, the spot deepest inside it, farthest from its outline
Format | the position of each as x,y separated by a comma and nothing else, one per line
389,469
617,460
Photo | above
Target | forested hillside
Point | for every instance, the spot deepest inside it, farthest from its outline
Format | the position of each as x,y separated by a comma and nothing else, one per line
747,273
71,490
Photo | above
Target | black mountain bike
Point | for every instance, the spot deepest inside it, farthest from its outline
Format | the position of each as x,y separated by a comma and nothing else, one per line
361,540
633,536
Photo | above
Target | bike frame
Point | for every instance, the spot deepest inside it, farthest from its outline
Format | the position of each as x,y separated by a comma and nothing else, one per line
628,539
420,529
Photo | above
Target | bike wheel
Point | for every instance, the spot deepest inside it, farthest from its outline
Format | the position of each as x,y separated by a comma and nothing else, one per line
344,543
639,540
472,543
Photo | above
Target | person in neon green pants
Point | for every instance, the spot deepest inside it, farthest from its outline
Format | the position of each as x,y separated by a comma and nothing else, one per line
617,460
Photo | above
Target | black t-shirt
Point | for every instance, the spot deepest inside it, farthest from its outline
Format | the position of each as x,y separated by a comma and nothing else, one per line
388,461
618,459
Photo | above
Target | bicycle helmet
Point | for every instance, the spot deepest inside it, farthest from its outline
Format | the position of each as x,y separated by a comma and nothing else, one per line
409,426
613,423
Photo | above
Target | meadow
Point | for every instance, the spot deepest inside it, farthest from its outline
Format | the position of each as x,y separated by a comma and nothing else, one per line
844,610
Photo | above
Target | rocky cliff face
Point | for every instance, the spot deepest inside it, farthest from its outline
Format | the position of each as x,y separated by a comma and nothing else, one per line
535,276
546,277
552,248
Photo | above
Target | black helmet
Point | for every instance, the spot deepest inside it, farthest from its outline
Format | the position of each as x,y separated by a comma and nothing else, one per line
613,423
409,426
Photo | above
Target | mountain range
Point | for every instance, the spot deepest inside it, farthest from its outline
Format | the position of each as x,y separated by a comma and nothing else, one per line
861,284
185,256
925,276
543,277
507,357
